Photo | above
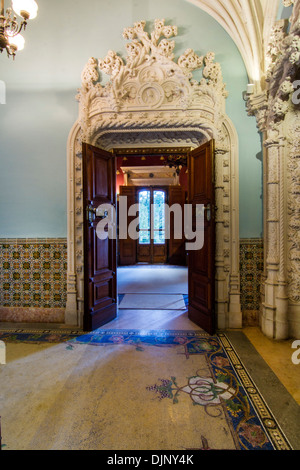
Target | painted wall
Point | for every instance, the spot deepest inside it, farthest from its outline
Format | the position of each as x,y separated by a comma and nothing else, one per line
34,132
284,12
41,108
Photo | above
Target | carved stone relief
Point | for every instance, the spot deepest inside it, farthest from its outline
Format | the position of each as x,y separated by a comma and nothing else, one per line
293,204
278,118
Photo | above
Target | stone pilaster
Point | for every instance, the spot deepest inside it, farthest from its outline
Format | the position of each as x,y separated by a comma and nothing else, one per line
274,318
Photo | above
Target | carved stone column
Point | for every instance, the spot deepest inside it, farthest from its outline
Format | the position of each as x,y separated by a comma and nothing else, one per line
292,127
274,319
277,116
274,306
228,296
235,311
220,276
75,227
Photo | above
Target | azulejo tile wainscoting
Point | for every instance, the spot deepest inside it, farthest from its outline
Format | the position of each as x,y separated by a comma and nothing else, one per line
33,280
251,271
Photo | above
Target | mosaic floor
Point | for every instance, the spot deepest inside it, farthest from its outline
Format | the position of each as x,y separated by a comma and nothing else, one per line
176,389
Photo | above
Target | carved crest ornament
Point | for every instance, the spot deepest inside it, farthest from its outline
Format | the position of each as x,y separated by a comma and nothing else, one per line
152,100
148,87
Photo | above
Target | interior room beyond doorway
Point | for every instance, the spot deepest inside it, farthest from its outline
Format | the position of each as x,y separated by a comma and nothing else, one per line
152,270
153,296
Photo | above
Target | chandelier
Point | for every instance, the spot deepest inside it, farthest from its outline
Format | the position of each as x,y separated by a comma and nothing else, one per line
175,161
10,38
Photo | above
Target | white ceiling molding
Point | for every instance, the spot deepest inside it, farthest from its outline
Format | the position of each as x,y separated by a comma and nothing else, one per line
249,24
149,176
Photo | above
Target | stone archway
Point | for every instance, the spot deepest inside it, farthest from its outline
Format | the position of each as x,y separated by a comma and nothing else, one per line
152,101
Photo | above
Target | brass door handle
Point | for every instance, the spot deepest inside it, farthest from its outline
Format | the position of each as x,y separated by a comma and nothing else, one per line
93,212
90,213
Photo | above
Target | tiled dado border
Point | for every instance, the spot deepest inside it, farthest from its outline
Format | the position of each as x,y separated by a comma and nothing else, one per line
251,270
33,280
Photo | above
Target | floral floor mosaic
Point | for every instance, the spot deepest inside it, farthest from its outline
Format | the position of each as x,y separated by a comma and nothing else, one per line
178,379
36,336
227,387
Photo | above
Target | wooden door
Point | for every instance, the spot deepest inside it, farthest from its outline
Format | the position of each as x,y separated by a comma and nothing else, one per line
176,250
100,280
127,246
201,263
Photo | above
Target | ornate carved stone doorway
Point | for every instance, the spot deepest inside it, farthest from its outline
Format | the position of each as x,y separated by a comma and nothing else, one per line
152,101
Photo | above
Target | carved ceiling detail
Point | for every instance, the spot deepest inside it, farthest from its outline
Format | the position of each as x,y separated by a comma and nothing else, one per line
249,23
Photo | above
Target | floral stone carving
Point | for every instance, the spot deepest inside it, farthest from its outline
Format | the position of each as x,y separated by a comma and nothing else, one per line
149,79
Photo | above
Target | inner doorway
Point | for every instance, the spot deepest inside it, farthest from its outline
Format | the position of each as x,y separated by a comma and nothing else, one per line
153,297
151,246
189,118
101,304
152,270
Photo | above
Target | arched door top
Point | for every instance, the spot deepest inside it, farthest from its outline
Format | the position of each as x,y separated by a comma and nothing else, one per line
149,89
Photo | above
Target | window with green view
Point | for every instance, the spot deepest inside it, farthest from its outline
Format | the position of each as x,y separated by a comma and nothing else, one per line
152,216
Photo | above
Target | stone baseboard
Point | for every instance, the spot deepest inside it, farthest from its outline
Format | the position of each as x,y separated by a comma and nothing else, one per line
250,318
32,315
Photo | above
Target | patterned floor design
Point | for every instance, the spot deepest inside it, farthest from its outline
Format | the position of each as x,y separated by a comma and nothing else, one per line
221,385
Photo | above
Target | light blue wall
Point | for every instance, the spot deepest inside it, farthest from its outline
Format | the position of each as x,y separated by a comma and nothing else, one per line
34,132
41,108
284,12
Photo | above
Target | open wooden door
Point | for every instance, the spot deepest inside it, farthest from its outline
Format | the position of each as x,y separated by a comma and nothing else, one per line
176,255
127,246
100,279
201,263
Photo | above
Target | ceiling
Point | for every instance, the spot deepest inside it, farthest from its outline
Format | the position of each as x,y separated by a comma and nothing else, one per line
69,33
249,24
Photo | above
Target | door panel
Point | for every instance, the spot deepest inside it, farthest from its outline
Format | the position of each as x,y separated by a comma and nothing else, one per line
144,254
100,282
177,254
201,263
127,247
